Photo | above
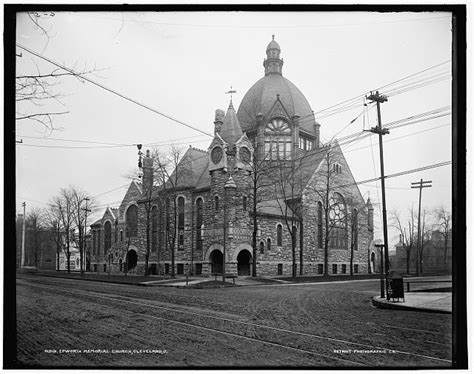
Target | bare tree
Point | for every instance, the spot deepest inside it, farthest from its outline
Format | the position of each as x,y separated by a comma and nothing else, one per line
172,170
258,184
81,204
63,204
36,90
407,233
54,225
288,185
353,215
35,227
327,193
443,224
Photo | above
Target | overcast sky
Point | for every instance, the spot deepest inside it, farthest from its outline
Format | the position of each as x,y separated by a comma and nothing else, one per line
181,64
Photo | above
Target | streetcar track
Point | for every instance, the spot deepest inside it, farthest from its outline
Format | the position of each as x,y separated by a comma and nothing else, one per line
372,324
212,329
248,324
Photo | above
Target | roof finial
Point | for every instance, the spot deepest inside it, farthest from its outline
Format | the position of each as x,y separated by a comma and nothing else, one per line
230,92
273,37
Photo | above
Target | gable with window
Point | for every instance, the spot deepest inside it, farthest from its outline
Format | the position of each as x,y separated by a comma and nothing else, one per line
278,140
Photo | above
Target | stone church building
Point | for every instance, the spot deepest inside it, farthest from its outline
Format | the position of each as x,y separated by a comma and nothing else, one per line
266,166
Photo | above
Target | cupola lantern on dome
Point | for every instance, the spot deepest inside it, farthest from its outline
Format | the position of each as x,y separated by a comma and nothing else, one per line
273,64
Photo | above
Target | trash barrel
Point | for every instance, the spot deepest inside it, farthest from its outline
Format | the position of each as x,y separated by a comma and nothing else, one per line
395,287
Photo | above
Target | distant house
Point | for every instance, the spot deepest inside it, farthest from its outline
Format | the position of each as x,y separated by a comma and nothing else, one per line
433,257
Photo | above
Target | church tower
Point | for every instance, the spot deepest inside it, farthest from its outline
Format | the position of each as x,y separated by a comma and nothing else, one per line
230,165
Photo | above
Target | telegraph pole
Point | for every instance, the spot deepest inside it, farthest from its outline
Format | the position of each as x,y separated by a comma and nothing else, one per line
22,259
420,185
84,244
381,131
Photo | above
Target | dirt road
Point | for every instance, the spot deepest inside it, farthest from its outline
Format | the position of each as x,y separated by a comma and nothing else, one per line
69,323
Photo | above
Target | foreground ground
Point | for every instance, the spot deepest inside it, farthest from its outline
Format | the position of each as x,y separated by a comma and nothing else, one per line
68,323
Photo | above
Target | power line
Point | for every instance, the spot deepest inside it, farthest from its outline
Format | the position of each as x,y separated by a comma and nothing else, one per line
111,90
400,137
105,143
105,147
355,99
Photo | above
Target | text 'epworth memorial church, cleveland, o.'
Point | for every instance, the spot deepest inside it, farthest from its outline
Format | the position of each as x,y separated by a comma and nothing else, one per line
266,192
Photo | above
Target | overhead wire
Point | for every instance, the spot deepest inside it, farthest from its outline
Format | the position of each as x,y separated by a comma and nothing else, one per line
100,85
104,143
352,102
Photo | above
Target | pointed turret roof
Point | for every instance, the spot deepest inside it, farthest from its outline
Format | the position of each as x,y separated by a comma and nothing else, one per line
231,130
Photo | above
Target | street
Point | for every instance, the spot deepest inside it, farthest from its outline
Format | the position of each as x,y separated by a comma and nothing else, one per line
71,323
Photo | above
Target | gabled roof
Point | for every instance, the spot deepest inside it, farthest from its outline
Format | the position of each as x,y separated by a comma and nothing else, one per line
273,207
192,171
97,223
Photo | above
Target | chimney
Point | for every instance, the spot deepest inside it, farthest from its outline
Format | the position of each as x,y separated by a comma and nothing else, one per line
147,171
316,132
218,121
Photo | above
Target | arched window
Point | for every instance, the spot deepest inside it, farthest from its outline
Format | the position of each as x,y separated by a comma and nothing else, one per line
355,229
279,235
295,236
277,140
180,222
131,218
337,222
269,244
244,203
116,231
154,229
167,207
199,221
320,225
262,247
160,224
216,203
107,236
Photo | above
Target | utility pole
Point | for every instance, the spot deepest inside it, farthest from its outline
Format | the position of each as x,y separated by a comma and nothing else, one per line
84,244
420,185
22,259
382,287
381,131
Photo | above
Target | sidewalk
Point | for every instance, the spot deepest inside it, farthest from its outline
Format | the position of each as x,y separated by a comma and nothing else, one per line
436,302
181,281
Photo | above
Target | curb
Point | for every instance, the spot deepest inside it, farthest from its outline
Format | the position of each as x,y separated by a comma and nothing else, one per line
397,306
142,284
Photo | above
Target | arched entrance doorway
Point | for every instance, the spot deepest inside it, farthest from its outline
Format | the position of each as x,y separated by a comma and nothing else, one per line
131,259
216,259
244,259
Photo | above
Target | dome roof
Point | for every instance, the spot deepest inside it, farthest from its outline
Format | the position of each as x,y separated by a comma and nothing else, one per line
273,45
263,94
